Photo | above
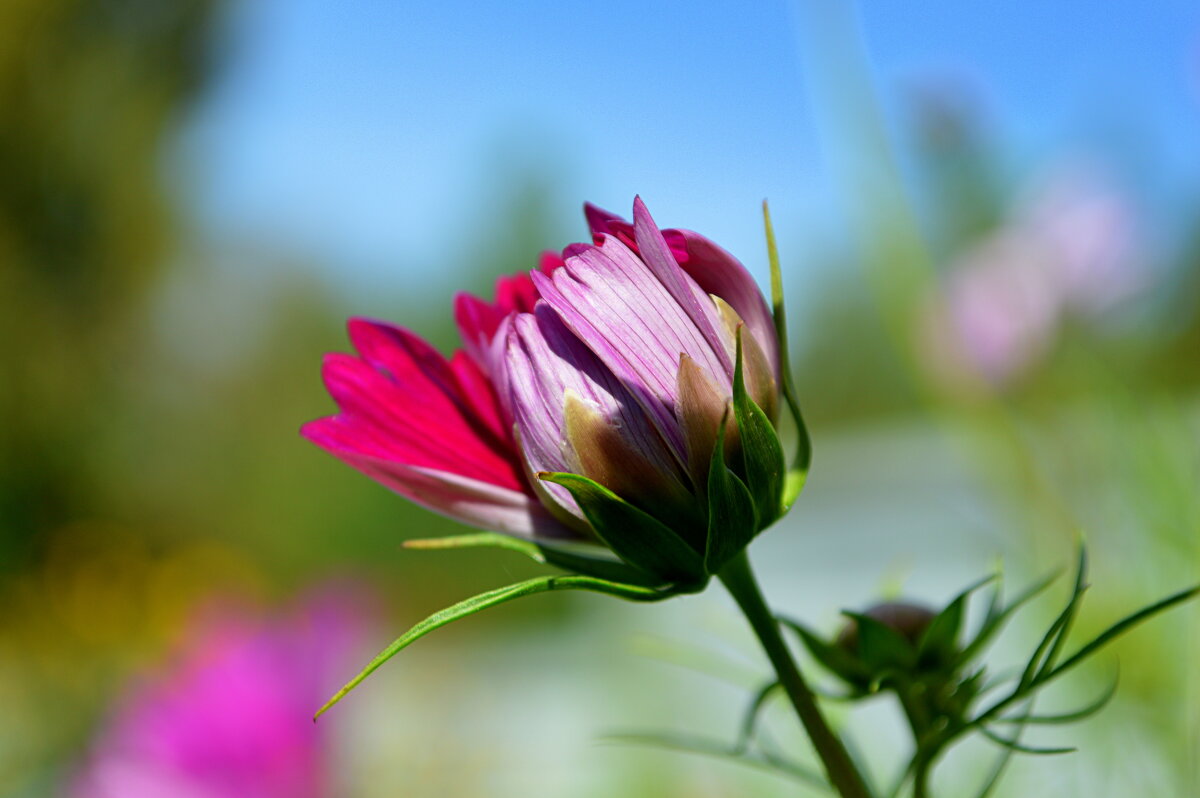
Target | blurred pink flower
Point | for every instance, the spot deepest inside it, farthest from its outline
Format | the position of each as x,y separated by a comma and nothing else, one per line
1069,250
232,716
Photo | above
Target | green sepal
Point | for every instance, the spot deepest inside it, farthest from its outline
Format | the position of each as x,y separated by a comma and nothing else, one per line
732,518
580,559
881,648
599,566
797,472
937,648
491,598
833,657
762,453
634,536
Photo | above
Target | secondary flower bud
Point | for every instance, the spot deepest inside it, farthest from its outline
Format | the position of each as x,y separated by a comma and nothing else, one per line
906,619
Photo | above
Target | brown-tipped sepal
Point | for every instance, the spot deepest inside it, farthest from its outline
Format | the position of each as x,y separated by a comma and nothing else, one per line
606,456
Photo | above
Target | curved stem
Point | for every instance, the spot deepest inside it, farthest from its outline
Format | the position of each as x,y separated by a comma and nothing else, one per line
739,579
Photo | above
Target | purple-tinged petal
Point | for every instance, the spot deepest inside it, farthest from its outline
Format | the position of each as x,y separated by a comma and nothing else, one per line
691,297
610,299
720,274
546,364
716,271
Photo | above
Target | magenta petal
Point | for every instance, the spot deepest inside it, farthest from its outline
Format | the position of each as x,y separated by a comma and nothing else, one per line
600,221
476,389
474,502
477,322
402,401
719,273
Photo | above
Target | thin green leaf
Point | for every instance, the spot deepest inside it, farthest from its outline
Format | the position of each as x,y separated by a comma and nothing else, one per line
576,560
732,519
1005,757
995,620
1076,600
1067,717
762,453
1120,627
1017,747
714,748
797,472
750,718
439,619
1054,634
476,540
482,602
635,536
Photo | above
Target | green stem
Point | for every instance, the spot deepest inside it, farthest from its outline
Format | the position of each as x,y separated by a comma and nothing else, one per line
921,777
843,775
918,720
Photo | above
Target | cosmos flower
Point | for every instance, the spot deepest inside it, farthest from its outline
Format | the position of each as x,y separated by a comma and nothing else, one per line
606,374
231,716
1068,251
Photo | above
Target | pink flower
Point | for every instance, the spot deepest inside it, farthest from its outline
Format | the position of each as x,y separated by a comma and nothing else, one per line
614,361
232,716
1068,250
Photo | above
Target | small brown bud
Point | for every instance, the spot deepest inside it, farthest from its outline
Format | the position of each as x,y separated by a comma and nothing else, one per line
909,620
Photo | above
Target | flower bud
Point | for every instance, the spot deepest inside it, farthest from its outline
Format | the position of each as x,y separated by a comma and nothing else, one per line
626,394
908,620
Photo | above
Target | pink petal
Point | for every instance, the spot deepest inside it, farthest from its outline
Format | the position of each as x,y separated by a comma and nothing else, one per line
612,301
720,274
691,297
602,222
403,402
478,320
714,270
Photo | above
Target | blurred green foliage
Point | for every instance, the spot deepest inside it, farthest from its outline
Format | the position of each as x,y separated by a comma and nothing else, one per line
87,92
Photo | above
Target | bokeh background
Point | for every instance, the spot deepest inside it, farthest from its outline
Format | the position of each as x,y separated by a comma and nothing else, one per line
990,224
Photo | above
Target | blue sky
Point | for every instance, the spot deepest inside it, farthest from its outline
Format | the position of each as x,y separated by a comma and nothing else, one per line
373,137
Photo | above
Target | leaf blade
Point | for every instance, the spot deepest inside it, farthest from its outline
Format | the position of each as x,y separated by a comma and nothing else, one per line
797,472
